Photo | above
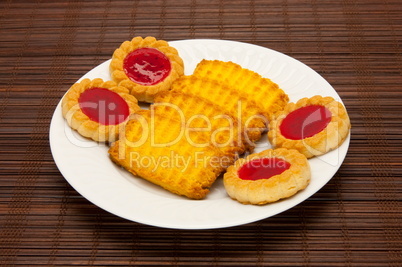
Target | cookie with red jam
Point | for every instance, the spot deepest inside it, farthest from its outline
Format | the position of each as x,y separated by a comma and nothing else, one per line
267,176
146,67
313,126
98,109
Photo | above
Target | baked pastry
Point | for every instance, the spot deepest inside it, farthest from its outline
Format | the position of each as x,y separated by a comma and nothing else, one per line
146,66
268,96
197,116
313,126
98,109
154,148
234,102
267,176
202,115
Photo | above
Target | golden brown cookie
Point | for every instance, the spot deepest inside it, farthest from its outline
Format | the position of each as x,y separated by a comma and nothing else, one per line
267,94
267,176
234,102
146,66
155,148
203,116
98,109
313,126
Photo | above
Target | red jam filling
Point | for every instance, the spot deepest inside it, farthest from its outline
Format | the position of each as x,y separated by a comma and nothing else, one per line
146,66
305,122
263,168
103,106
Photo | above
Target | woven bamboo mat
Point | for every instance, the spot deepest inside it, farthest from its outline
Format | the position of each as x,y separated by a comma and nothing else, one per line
355,220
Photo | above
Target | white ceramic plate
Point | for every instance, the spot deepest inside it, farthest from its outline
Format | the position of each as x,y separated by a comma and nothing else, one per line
86,166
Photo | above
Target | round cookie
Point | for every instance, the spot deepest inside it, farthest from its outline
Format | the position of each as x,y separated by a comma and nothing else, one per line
267,176
313,126
146,67
98,109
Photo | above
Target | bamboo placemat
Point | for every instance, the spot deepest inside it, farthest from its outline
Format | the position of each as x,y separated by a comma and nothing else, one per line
355,220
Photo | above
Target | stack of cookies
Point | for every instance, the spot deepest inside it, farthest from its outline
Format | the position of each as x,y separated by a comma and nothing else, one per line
198,128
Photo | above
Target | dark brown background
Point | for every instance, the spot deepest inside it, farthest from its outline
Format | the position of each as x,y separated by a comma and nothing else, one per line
355,220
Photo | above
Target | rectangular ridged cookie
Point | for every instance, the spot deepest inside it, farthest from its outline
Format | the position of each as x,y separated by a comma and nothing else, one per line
232,101
269,97
200,114
153,148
